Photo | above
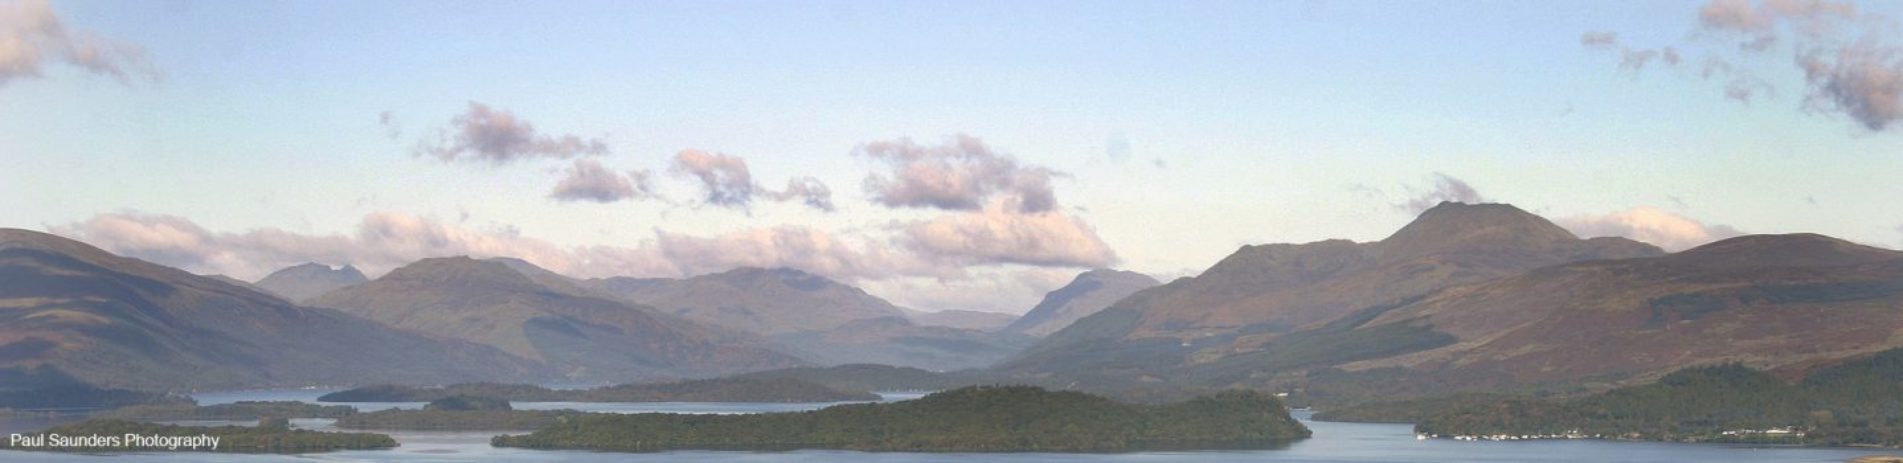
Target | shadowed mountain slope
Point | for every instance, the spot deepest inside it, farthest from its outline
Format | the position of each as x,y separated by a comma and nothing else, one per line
1087,294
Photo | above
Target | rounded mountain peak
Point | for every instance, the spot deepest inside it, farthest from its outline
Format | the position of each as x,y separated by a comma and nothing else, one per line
460,270
1454,227
1795,249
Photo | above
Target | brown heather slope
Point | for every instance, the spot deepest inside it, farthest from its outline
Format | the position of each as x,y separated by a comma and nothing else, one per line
1262,293
1766,300
72,312
542,316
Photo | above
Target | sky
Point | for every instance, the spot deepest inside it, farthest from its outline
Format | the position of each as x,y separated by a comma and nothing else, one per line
943,155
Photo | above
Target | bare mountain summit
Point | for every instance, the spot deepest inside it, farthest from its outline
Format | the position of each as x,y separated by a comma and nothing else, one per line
309,280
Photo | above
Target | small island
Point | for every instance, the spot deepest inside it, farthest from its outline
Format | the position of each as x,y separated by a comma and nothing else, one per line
971,419
271,436
780,389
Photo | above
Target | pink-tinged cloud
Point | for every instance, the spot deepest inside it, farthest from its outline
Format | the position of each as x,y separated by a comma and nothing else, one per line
1000,234
32,35
961,174
496,136
1661,228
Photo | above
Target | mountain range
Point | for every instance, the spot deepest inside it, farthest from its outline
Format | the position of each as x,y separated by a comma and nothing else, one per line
817,318
1466,298
72,313
1483,297
541,316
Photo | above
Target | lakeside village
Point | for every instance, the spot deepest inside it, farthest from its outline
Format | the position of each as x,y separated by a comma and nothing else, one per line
1787,432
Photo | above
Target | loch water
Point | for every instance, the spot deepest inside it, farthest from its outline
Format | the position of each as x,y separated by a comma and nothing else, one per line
1332,443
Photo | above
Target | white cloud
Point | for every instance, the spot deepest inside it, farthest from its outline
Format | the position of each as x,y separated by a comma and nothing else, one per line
1007,289
1661,228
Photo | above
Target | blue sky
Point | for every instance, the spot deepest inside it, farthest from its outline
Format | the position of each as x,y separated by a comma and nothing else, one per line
1173,131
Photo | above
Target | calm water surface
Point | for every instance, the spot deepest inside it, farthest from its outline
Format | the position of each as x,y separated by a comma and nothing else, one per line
1333,442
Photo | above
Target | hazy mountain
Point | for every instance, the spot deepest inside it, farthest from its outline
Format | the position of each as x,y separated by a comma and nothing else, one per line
1263,292
1766,300
965,319
898,341
235,281
545,317
305,281
815,317
1087,294
78,313
757,300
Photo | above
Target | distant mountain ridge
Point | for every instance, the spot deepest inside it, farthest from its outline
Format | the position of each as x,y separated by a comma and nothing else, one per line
542,316
1088,293
304,281
816,318
1217,321
1485,298
75,313
758,300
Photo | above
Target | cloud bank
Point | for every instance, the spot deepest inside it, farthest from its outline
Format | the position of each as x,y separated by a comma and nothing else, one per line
1002,234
